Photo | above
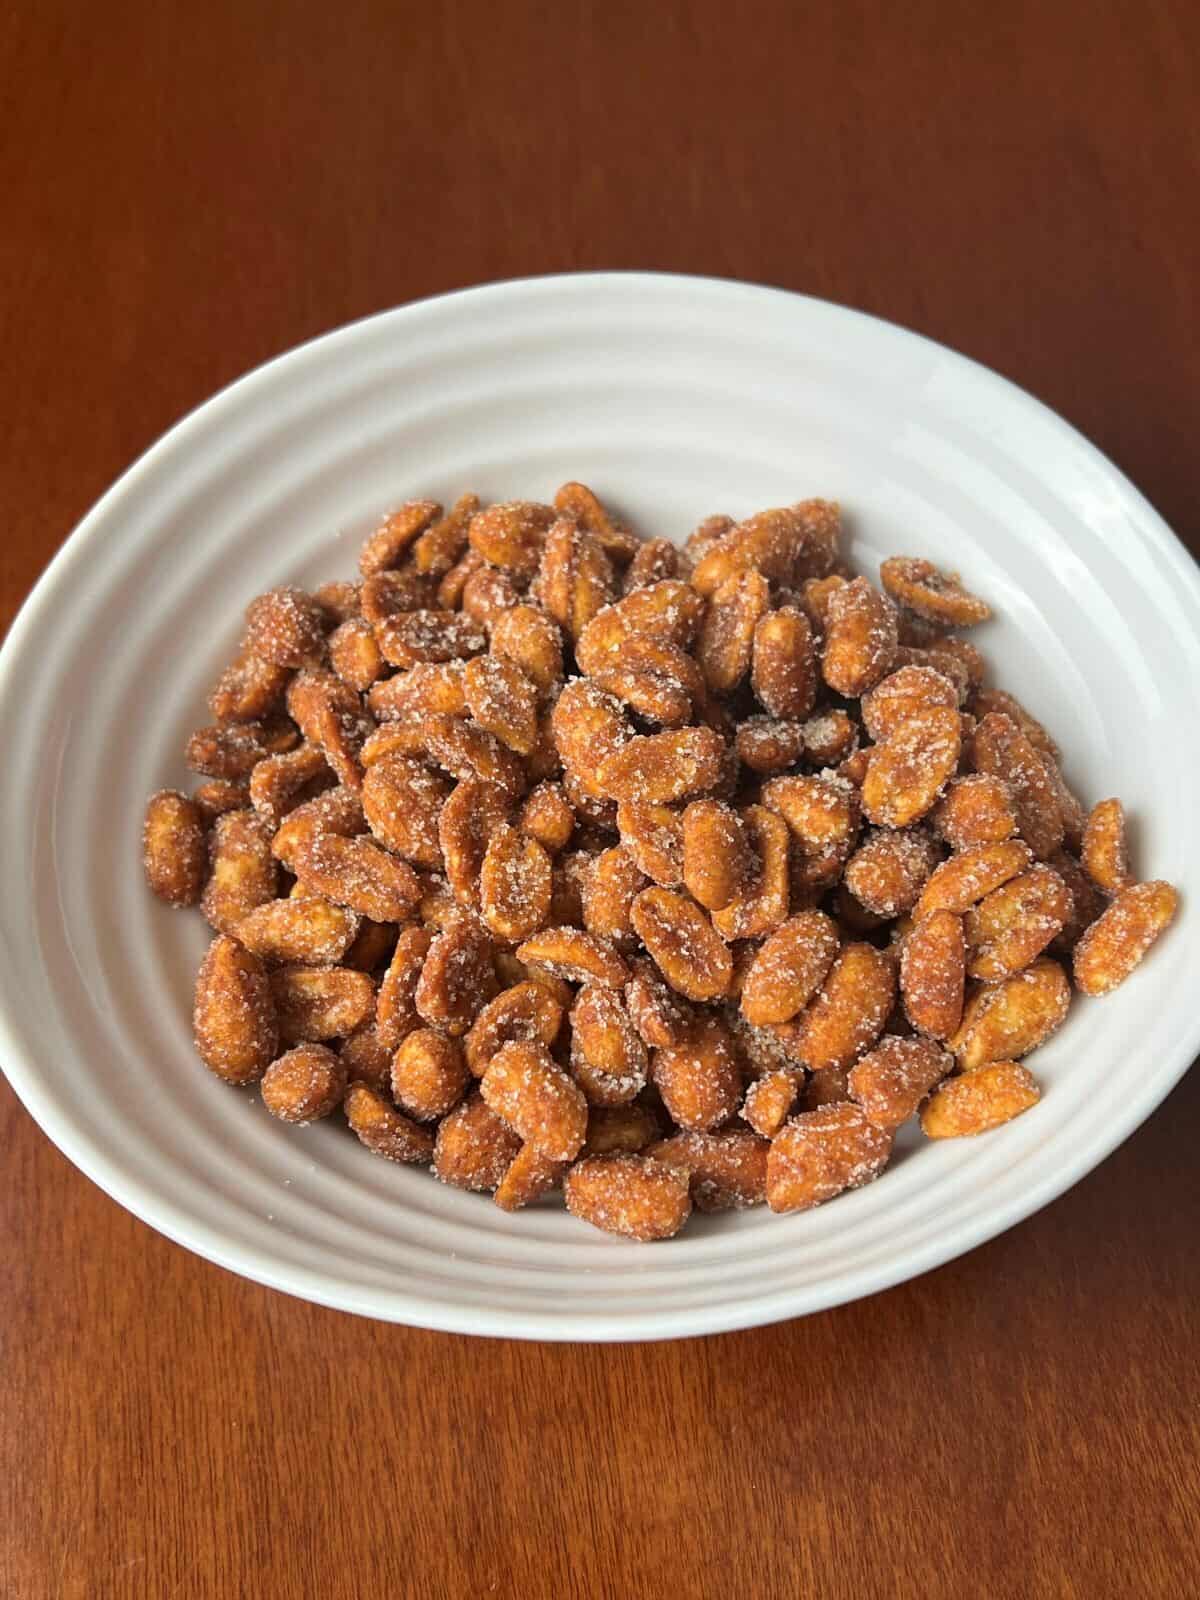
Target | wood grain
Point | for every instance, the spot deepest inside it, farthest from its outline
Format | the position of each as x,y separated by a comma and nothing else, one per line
189,190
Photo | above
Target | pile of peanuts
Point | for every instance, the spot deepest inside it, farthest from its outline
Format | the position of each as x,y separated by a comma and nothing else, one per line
671,876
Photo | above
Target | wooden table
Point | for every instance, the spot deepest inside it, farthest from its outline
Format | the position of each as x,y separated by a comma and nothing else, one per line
189,190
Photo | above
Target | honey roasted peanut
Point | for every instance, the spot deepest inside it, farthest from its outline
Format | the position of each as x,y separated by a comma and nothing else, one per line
564,858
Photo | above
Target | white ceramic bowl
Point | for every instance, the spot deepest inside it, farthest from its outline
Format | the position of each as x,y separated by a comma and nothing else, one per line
674,397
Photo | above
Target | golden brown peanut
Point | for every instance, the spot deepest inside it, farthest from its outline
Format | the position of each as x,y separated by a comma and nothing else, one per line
474,1147
537,1099
574,577
790,967
980,1100
489,593
243,872
683,944
280,783
699,1080
333,811
248,689
402,800
726,1171
660,1016
974,810
771,1099
784,674
891,1080
529,638
768,746
764,903
384,1130
442,544
575,955
234,1022
860,638
396,1005
338,601
822,812
357,873
727,633
367,1059
933,974
329,713
547,816
784,544
466,750
1015,923
705,534
1000,748
468,819
174,851
901,694
457,978
908,771
317,1003
354,654
818,1154
232,751
219,795
608,1057
430,688
669,611
974,872
614,537
525,1011
628,1195
608,891
1104,855
386,595
511,534
829,738
588,726
653,561
657,681
1117,941
395,534
514,885
937,596
304,1084
958,656
429,635
502,700
284,627
620,1130
429,1074
999,700
718,861
887,873
815,597
1004,1021
653,835
302,930
452,584
657,768
850,1009
528,1177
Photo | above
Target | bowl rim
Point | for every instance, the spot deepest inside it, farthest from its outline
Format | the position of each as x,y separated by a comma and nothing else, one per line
161,1212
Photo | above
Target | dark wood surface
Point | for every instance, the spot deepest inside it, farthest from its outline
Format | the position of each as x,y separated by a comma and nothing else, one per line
189,189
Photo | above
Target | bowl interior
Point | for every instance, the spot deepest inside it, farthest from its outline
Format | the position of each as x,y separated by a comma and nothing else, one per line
674,398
